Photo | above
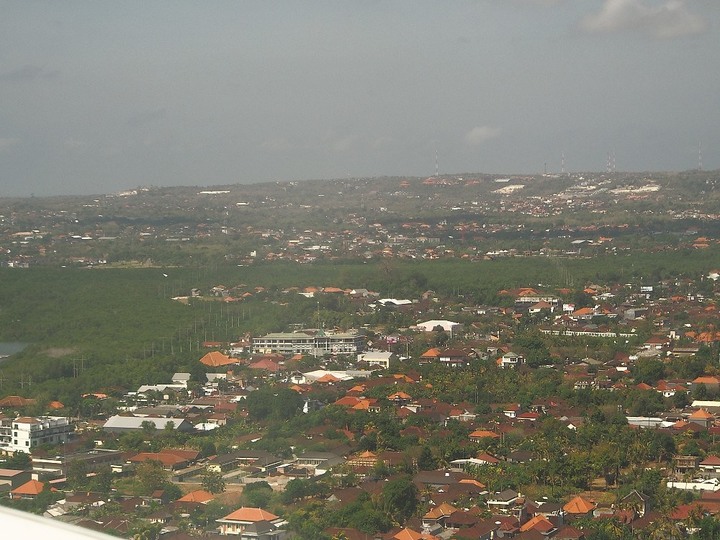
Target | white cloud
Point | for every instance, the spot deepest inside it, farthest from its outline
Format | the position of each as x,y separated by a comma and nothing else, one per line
664,19
480,134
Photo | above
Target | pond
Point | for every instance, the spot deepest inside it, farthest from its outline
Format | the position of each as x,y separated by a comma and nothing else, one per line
8,348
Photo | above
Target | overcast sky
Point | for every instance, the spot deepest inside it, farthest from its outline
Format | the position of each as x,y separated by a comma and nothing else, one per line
98,97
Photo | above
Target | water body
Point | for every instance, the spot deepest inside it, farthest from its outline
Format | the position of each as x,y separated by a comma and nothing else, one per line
8,348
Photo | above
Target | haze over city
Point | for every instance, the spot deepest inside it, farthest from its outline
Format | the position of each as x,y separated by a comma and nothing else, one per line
101,97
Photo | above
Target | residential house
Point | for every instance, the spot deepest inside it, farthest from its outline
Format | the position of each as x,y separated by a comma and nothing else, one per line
381,359
579,507
28,490
252,523
510,360
11,479
453,357
503,501
710,466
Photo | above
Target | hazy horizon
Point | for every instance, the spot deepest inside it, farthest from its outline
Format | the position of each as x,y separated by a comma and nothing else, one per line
104,97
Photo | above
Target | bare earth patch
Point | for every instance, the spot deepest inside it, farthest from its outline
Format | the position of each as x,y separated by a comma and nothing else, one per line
57,352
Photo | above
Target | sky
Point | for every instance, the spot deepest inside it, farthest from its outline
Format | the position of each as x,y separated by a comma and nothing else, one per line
101,97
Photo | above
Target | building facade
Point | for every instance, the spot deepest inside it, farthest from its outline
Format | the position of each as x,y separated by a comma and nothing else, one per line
25,433
313,343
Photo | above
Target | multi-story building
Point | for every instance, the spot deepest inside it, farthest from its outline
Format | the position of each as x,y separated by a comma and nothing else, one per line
24,433
316,343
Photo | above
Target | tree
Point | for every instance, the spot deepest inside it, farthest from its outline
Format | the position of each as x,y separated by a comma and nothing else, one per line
649,371
274,403
19,461
77,474
426,461
257,494
102,482
151,475
213,482
295,490
148,428
399,499
172,491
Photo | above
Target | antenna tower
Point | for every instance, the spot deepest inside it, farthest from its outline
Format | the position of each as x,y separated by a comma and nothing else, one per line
610,166
700,168
437,168
562,162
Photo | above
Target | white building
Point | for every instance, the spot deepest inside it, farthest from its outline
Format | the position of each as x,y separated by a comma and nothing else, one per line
447,326
27,432
376,358
317,343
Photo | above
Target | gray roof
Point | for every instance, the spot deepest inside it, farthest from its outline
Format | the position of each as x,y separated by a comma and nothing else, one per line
135,422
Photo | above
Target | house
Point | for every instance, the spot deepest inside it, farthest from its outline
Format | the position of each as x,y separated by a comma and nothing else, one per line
453,357
635,501
437,515
411,534
702,418
252,523
683,464
579,507
710,466
540,524
711,384
170,461
28,490
381,359
11,479
510,360
199,496
217,359
181,378
479,434
503,500
512,410
541,306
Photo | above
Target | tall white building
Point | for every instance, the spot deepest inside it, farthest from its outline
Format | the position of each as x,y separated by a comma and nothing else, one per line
25,433
316,343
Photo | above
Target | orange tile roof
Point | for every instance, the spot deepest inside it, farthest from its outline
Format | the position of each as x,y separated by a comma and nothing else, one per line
199,496
482,433
701,414
249,514
409,534
31,487
706,380
578,505
540,523
216,359
443,510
